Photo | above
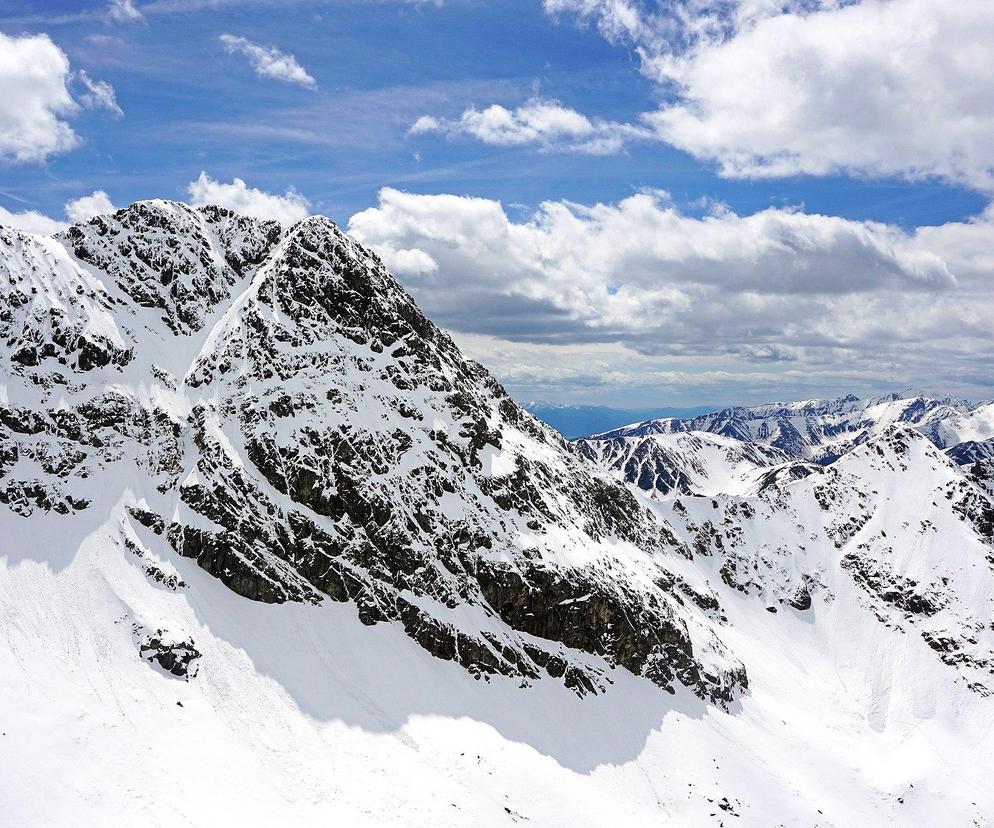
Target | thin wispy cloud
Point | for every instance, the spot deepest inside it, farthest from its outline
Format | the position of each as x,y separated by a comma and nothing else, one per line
540,121
268,61
98,94
124,11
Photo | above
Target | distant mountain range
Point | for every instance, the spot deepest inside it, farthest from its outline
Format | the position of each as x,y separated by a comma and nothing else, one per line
737,449
580,420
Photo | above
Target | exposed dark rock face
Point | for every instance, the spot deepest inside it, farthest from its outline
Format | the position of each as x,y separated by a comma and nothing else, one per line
904,593
801,600
58,318
681,463
179,658
786,474
642,464
179,261
971,451
981,472
272,404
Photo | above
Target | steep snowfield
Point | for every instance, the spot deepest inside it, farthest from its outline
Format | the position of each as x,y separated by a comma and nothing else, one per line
272,551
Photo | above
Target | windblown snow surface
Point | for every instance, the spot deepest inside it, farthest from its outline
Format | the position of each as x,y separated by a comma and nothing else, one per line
194,631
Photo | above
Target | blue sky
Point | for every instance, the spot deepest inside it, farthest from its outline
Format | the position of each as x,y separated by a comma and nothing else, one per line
190,106
632,329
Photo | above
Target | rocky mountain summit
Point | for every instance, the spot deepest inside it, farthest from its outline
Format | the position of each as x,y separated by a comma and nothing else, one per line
252,498
272,404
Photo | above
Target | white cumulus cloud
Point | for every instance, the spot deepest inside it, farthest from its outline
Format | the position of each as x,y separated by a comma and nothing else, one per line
76,210
762,88
35,99
31,221
97,203
406,261
268,61
286,209
781,289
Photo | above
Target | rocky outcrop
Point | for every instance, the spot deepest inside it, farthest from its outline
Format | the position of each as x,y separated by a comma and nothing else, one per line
179,658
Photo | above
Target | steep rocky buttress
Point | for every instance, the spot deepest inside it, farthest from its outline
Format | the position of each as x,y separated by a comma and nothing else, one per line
270,402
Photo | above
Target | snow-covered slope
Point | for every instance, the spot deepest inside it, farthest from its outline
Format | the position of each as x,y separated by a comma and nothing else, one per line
823,430
273,551
896,518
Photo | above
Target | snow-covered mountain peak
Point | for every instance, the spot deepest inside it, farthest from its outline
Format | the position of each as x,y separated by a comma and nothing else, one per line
894,529
171,257
284,414
667,464
252,498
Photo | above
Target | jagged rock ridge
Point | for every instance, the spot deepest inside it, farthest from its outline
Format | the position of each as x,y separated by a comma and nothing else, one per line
271,403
